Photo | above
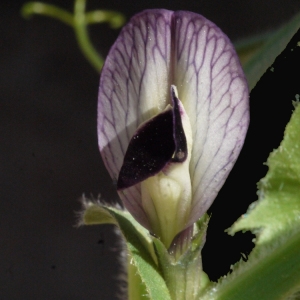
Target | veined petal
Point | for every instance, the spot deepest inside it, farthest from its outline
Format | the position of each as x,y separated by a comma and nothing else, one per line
214,92
134,87
158,48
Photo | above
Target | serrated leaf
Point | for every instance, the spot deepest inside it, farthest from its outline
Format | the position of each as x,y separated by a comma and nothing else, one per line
278,208
139,244
273,268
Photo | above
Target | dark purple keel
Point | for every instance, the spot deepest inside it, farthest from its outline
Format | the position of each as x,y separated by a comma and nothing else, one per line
157,142
149,150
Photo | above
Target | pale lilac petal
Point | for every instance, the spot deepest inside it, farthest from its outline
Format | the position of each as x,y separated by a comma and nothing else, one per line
134,86
214,92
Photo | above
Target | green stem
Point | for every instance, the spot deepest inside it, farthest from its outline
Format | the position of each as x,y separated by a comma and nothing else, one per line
48,10
79,22
115,19
80,27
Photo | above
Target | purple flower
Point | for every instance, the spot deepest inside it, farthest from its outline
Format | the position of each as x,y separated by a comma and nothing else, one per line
174,81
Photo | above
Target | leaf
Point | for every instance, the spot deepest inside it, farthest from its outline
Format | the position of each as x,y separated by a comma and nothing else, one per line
255,67
138,242
278,208
247,47
97,215
273,268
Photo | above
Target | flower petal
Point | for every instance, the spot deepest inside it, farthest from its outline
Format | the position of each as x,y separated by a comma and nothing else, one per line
134,86
158,48
214,92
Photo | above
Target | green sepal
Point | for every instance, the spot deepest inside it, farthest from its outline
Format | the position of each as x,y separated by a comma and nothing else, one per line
183,273
273,267
139,244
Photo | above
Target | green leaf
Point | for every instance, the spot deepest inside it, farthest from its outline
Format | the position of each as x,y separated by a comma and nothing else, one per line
247,47
97,215
140,248
273,268
278,208
255,67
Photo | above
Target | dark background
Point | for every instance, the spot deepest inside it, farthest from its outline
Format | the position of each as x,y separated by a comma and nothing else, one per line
49,153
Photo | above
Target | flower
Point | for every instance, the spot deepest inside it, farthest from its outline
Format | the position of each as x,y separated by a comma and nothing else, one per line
171,66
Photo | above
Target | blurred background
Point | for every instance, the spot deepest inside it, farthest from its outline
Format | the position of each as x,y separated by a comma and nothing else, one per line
49,153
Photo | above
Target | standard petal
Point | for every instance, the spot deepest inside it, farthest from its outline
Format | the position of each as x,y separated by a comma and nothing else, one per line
214,92
134,87
158,48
